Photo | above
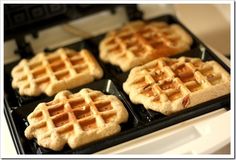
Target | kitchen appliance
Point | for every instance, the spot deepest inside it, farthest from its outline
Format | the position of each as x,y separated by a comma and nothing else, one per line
32,19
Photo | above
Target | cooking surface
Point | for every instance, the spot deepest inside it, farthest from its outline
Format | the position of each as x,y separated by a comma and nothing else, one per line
141,121
121,76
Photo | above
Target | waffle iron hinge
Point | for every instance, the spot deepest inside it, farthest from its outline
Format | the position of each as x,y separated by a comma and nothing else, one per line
133,13
24,48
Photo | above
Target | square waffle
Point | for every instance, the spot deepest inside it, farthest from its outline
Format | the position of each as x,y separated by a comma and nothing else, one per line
168,85
76,119
139,42
51,73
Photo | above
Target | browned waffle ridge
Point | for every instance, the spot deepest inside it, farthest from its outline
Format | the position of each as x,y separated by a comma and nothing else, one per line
139,42
76,119
168,85
50,73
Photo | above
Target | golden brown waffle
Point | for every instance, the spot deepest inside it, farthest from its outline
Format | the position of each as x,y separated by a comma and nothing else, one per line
76,119
139,42
169,85
51,73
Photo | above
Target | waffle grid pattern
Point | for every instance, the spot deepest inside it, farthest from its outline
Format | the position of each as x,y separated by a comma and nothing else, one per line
169,85
63,69
77,118
137,43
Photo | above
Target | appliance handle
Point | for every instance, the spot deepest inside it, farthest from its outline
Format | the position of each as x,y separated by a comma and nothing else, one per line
204,134
208,136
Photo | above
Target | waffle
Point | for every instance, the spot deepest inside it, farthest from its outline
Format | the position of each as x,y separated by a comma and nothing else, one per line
76,119
51,73
139,42
169,85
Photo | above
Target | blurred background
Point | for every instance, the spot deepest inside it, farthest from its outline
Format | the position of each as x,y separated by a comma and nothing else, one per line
209,22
